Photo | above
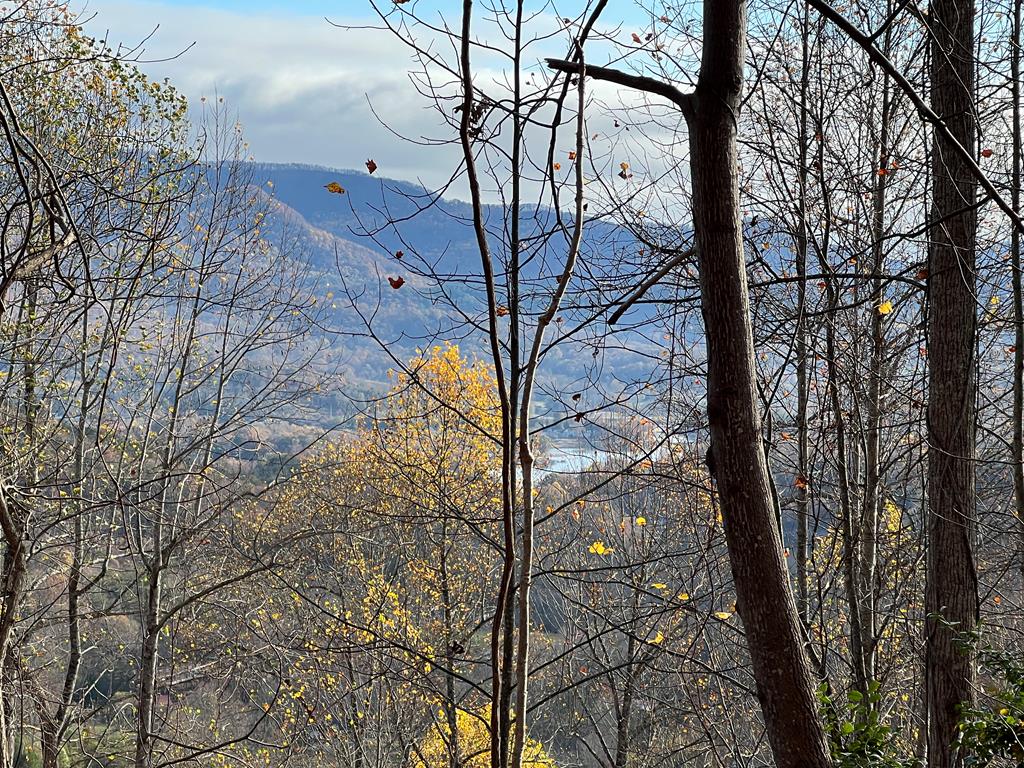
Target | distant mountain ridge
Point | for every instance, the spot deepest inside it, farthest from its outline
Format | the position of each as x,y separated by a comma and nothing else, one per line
350,242
372,204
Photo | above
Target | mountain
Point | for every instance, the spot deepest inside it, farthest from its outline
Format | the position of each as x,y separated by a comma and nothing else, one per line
373,204
350,241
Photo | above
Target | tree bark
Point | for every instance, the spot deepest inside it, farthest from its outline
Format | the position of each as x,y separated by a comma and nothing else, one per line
765,601
872,499
951,594
1017,440
764,598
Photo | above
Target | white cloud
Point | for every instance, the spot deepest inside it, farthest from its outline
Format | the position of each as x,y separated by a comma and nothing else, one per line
299,85
302,88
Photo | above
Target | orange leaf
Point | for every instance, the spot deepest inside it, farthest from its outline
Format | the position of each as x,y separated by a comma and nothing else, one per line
335,188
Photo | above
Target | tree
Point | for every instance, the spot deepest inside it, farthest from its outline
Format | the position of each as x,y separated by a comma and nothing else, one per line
951,596
764,597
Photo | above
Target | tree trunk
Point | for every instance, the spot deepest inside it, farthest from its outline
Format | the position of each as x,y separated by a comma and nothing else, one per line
625,708
765,601
148,660
803,470
951,595
14,567
1017,440
868,529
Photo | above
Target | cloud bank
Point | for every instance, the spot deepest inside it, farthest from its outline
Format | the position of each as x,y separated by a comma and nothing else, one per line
301,88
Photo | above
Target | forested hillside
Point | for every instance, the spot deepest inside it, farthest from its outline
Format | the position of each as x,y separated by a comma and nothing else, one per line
682,425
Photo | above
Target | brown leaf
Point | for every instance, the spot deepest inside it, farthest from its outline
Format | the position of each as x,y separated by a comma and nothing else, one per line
396,282
371,166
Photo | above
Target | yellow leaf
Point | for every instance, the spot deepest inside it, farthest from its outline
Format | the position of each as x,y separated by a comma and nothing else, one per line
598,548
885,308
684,596
659,585
335,188
723,615
658,639
641,520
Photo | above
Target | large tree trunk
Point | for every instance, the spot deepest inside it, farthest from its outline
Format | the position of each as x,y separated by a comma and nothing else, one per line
765,601
951,595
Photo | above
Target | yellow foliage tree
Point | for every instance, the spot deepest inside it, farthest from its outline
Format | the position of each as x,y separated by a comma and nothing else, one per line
472,743
375,606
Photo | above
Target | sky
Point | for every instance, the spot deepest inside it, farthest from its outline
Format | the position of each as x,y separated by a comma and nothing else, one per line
301,88
304,90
